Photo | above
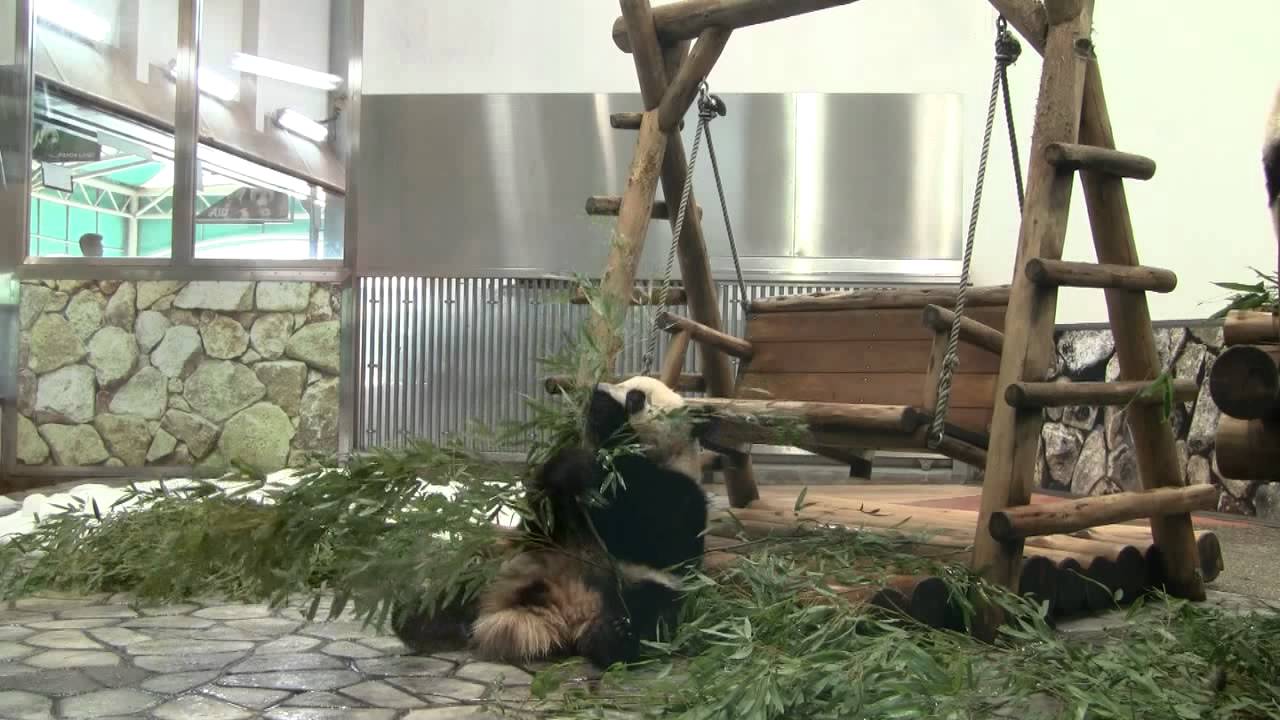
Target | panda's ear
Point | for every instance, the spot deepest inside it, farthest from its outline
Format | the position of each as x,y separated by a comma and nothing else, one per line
636,400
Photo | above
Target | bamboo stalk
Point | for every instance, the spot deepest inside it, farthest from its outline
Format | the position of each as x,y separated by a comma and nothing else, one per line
1245,382
1062,273
1080,513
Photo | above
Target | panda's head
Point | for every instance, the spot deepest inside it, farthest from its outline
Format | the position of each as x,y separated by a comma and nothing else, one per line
641,409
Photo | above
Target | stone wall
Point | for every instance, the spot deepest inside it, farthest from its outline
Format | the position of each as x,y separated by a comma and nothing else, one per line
177,374
1089,451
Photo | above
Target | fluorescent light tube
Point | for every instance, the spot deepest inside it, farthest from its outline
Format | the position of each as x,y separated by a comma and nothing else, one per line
296,122
74,19
210,82
296,74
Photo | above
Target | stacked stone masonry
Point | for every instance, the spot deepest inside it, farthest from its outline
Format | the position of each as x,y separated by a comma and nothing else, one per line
177,374
1089,451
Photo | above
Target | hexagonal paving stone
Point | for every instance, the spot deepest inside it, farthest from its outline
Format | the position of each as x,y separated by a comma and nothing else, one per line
294,680
98,611
40,603
233,612
386,644
175,622
337,630
13,633
348,649
491,673
197,707
288,644
187,647
14,651
54,683
380,694
300,661
74,624
186,663
62,659
448,688
117,676
256,698
318,699
19,616
457,712
266,626
175,683
404,665
163,610
20,705
328,714
64,640
118,637
230,634
94,705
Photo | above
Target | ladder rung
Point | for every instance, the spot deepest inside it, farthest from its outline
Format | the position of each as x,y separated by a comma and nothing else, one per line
612,205
642,296
1068,156
724,342
1078,514
629,121
1029,395
1062,273
971,331
689,382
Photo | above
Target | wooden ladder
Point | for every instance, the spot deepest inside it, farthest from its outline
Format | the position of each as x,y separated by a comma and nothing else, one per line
1073,133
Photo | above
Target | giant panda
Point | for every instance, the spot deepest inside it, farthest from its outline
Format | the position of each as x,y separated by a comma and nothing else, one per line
1271,163
610,576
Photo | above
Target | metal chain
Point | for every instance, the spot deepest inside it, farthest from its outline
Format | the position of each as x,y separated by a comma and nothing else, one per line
709,106
1007,51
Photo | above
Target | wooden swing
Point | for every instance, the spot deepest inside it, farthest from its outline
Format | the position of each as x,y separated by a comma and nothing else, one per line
800,352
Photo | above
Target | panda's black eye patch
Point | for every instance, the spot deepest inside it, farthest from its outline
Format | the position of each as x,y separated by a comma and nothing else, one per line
635,401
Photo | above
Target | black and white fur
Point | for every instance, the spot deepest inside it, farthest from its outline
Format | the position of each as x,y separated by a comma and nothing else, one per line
575,597
1271,163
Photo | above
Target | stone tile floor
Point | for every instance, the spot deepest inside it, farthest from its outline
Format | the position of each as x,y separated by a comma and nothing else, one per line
101,658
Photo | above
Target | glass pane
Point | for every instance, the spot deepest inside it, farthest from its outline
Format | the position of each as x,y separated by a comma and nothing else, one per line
266,150
100,175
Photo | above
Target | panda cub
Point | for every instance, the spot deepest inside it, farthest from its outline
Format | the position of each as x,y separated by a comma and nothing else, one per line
571,597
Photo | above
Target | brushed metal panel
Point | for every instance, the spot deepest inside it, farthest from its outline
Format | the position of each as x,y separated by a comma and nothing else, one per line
818,186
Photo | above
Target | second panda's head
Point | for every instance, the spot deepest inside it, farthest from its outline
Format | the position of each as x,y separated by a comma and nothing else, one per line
641,409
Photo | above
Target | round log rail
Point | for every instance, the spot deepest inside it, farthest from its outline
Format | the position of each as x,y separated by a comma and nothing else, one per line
1248,449
1251,327
1082,513
1063,394
724,342
1063,273
881,299
1245,382
971,331
688,19
1070,156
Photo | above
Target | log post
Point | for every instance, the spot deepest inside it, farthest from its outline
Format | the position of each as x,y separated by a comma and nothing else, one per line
684,86
673,362
1028,330
625,249
653,68
1250,327
1245,382
1248,449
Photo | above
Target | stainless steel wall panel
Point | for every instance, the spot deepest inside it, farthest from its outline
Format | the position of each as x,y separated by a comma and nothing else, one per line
850,187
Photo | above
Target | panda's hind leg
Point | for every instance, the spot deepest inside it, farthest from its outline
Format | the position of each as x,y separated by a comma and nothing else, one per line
626,620
449,628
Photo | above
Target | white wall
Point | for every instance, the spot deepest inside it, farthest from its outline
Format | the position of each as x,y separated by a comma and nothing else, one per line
1190,93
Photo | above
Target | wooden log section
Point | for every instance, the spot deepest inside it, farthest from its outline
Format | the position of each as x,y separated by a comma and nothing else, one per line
971,331
884,299
1245,382
815,415
627,244
1130,576
1251,327
689,19
629,121
1069,595
611,205
737,347
641,296
1016,523
673,361
687,382
1040,579
1063,273
684,86
1248,449
1027,395
1072,157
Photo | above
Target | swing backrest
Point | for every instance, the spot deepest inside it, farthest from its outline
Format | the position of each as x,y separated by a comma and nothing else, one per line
868,347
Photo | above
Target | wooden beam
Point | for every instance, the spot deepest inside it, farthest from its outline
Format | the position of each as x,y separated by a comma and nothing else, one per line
1029,395
816,415
881,299
684,87
641,296
606,205
971,331
1245,382
688,19
629,121
688,382
1251,327
1248,449
627,244
724,342
1062,273
673,362
695,263
637,26
1072,157
1028,332
1069,516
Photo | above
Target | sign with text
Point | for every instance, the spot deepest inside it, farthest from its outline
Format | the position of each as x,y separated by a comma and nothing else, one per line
249,205
52,145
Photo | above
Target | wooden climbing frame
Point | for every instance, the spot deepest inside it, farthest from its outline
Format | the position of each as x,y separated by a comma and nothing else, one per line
1072,134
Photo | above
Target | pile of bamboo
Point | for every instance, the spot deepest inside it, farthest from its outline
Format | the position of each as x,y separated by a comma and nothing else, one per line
1084,572
1245,385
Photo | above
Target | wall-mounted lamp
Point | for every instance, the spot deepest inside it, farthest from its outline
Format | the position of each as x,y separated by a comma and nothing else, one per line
296,74
299,124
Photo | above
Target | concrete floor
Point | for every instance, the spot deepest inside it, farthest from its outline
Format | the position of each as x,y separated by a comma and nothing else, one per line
1252,558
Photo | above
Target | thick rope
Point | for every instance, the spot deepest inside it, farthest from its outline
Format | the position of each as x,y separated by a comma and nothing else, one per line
1007,51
